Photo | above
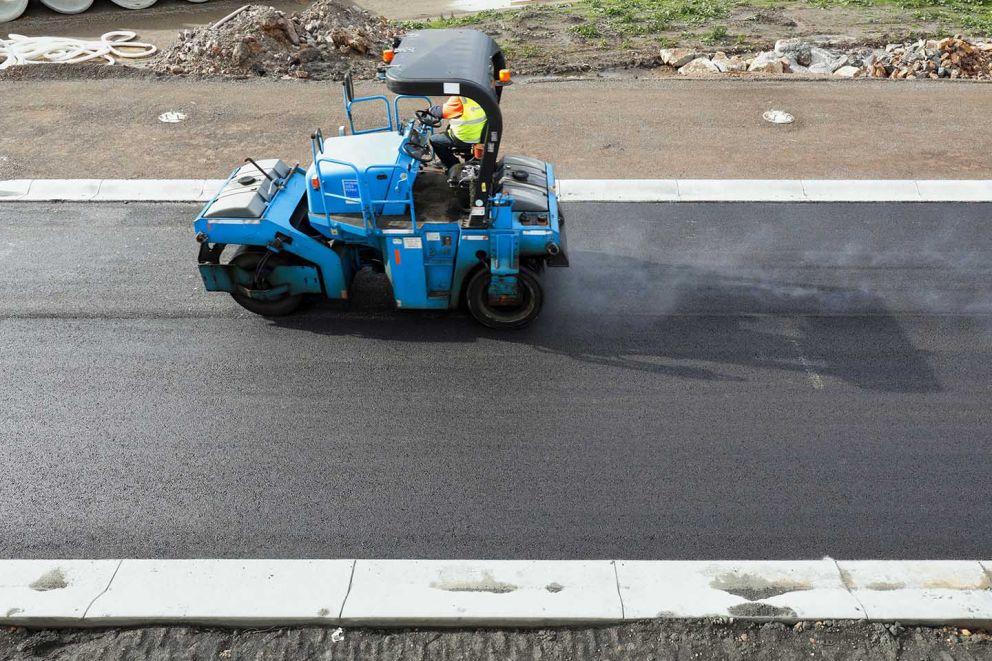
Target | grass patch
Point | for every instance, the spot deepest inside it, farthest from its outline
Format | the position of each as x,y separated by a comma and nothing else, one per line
586,30
650,24
462,21
717,35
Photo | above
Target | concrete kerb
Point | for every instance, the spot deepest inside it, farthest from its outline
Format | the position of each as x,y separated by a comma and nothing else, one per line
14,189
445,593
482,592
569,190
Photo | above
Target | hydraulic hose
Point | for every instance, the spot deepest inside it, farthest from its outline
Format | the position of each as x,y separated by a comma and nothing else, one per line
111,47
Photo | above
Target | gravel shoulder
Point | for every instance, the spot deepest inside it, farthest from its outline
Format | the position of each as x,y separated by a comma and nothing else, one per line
673,639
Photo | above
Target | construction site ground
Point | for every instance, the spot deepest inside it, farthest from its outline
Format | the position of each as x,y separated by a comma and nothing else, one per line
647,640
638,129
619,37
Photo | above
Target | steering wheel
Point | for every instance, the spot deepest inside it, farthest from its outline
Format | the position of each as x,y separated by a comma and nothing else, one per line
427,119
418,152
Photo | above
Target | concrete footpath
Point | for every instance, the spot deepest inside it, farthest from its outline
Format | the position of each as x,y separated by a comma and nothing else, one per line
597,129
242,593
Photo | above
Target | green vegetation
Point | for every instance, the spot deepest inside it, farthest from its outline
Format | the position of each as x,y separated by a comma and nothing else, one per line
453,21
717,35
633,17
666,23
585,30
975,16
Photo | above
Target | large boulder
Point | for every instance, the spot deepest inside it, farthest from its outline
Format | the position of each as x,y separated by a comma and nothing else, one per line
769,62
677,57
729,64
795,49
825,61
701,65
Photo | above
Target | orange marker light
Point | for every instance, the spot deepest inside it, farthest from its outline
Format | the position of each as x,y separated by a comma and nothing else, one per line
478,150
388,55
315,182
504,75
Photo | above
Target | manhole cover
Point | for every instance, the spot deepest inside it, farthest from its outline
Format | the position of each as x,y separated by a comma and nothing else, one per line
778,117
172,117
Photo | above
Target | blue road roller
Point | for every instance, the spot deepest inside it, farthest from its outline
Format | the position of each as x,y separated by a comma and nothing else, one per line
478,234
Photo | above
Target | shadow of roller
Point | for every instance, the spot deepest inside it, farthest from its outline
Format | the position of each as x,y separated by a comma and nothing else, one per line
631,314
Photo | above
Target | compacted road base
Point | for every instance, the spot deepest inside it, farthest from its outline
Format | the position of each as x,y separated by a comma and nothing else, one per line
622,128
706,381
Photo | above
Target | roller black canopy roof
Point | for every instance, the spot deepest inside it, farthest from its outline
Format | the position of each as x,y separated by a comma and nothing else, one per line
432,62
456,63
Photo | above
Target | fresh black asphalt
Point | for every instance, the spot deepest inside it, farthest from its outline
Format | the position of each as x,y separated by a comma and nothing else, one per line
707,381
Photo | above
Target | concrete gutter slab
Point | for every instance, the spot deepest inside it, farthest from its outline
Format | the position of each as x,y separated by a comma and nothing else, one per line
932,592
150,190
850,190
51,592
955,190
741,190
248,592
618,190
494,592
209,189
751,589
14,189
569,190
62,190
400,593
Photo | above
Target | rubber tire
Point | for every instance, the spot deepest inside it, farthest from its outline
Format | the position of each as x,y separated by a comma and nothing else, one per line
246,258
477,300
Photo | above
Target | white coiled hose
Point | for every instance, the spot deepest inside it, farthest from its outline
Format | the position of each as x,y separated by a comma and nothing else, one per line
111,47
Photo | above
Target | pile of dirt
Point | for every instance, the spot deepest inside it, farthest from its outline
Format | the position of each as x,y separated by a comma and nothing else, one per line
326,40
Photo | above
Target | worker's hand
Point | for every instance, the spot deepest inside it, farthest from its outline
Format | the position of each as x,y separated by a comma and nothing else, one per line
436,111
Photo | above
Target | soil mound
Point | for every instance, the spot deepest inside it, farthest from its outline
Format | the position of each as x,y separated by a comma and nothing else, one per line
326,40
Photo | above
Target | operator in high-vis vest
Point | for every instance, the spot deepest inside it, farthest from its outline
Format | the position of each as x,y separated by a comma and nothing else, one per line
466,125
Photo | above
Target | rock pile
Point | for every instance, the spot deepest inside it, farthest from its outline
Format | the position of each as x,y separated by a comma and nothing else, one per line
326,40
953,57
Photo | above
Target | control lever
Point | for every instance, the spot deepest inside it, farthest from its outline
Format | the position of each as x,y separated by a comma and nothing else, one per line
267,175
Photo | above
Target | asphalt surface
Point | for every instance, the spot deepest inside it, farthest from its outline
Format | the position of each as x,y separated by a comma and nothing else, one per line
706,381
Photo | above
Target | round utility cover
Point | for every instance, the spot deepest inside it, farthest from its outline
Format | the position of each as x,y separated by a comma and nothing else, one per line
172,117
12,9
68,6
134,4
197,1
778,117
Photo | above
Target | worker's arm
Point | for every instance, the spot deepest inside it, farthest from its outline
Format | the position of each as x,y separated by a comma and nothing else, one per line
452,109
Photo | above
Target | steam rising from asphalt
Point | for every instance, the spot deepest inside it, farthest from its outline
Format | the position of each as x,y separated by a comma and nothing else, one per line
688,263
